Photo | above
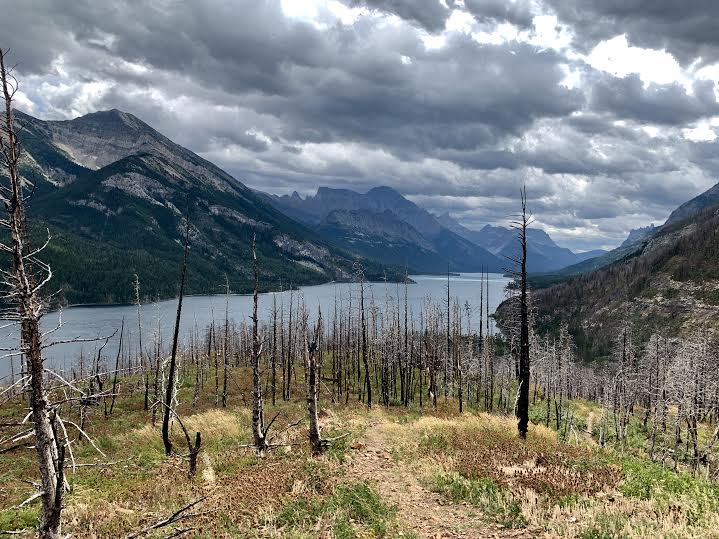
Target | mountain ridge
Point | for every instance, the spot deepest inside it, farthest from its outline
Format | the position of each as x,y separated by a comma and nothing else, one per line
111,187
447,248
664,280
543,254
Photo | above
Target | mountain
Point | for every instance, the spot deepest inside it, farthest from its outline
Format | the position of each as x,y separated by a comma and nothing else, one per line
114,192
313,209
707,199
380,236
666,282
543,254
385,226
638,235
634,243
638,238
587,255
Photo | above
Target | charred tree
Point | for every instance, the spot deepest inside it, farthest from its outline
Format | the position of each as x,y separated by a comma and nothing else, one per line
522,408
173,355
258,421
23,289
363,330
312,351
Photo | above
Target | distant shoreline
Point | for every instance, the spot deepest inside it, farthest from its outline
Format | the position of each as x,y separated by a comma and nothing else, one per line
410,280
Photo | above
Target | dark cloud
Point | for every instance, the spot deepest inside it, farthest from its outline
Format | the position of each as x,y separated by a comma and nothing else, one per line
462,97
429,14
686,29
518,12
668,104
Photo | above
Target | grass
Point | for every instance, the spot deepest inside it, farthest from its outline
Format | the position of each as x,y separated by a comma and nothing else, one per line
495,501
350,511
573,489
144,485
561,489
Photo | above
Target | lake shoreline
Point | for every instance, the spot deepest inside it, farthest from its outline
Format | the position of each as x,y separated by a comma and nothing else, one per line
409,280
157,319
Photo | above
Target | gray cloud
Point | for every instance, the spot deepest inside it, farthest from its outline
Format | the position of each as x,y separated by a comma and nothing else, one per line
518,13
429,14
686,29
667,104
284,104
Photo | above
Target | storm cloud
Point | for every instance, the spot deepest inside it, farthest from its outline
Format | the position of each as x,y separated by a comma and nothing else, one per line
606,110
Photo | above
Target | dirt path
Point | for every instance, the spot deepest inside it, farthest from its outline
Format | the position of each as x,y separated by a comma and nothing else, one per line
590,422
208,472
428,514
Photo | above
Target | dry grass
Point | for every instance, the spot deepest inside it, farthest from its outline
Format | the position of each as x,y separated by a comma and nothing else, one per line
558,490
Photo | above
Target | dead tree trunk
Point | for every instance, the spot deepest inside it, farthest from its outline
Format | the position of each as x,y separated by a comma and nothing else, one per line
225,346
173,356
312,350
523,382
258,420
117,368
363,329
23,291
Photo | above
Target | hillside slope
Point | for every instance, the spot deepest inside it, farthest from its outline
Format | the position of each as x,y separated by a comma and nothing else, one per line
669,285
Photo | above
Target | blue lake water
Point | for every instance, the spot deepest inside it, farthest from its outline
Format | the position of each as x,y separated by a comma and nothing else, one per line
88,322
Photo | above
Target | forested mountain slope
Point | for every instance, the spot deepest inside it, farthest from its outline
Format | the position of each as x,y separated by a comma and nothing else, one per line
669,285
114,193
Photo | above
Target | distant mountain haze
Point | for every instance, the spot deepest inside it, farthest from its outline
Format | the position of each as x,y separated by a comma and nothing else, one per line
384,225
450,242
543,254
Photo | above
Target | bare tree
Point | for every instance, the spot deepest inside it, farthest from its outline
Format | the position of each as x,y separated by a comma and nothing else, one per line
23,291
522,407
117,369
173,356
312,350
225,346
363,330
259,432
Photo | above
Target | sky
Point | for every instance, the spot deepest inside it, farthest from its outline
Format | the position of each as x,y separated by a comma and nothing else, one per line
605,109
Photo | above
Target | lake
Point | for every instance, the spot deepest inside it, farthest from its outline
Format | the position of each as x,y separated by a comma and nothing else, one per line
87,322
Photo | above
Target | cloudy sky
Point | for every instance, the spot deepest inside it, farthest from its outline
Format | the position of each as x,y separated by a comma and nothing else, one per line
606,109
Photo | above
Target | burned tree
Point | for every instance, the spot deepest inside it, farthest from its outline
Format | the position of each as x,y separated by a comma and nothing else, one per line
312,351
522,406
363,335
23,286
173,357
225,346
259,432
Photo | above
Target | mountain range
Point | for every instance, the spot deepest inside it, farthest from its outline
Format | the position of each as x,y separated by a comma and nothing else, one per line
383,225
543,254
114,192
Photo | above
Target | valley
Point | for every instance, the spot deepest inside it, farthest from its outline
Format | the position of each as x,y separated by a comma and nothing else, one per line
359,269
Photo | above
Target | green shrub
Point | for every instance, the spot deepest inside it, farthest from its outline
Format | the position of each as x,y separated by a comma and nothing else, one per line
496,502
